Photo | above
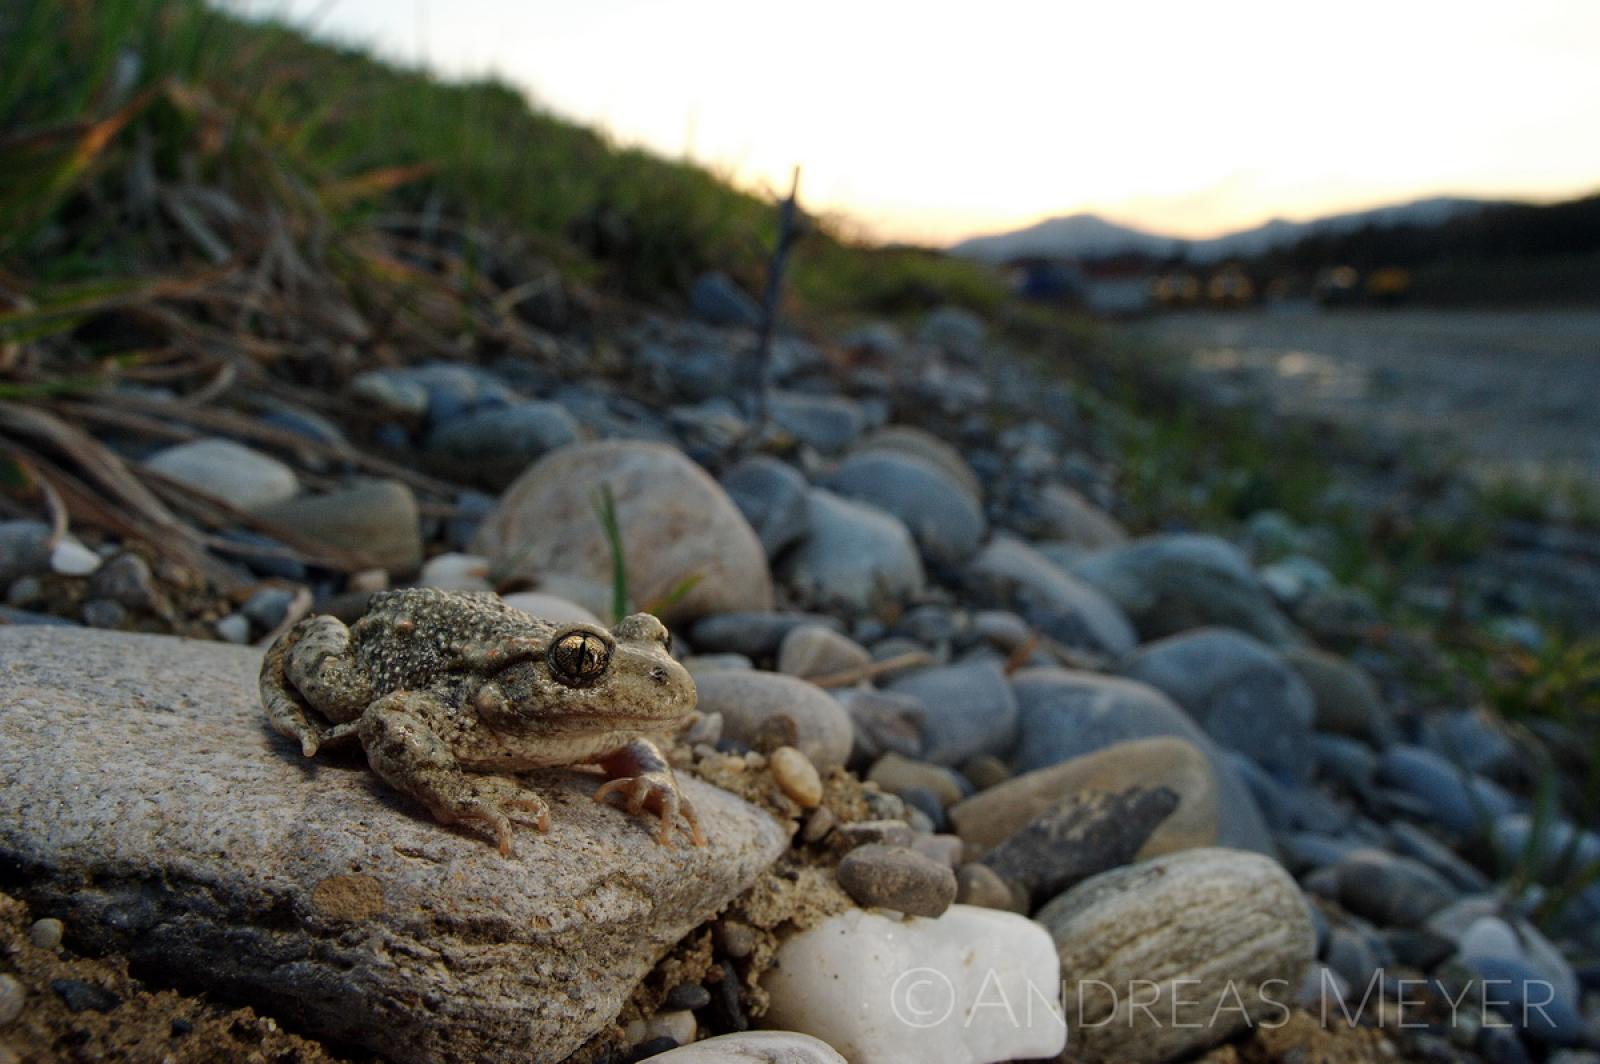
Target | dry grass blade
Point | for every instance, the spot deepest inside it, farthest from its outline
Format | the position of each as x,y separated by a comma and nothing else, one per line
849,677
374,182
53,505
244,427
100,464
175,542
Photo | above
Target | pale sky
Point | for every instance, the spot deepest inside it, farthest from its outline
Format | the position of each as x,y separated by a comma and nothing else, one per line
932,121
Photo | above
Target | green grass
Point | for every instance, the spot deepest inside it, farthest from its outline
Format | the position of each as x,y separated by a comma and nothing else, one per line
1560,495
97,95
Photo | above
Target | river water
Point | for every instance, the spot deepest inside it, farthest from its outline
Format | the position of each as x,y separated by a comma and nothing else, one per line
1515,391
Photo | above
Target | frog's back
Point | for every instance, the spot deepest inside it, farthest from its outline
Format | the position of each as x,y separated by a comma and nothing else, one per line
410,637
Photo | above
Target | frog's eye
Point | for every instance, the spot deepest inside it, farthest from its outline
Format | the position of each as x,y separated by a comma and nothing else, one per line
578,659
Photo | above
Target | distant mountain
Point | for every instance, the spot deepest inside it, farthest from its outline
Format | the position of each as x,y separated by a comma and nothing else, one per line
1072,236
1090,236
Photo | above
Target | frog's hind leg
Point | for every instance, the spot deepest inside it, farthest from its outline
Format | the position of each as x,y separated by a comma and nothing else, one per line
322,667
311,670
405,751
287,709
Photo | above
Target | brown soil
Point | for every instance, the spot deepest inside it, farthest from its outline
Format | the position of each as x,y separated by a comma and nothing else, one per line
138,1024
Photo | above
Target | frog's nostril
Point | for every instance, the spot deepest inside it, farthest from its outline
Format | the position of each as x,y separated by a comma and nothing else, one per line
658,674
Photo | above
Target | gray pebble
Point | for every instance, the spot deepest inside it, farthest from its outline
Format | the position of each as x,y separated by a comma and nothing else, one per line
1084,835
923,800
978,884
25,591
887,832
818,824
736,939
708,730
103,613
24,548
688,996
126,580
268,607
71,558
897,878
235,628
79,995
12,995
46,933
985,771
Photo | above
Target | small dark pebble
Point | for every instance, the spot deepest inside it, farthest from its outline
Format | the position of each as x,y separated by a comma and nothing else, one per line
724,1014
80,995
1500,1045
818,824
924,799
652,1048
181,1027
688,996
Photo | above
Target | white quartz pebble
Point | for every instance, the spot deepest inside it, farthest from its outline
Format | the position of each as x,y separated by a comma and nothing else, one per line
754,1047
456,572
972,986
71,558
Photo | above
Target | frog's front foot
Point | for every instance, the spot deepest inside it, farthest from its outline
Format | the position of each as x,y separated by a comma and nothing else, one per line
644,779
497,802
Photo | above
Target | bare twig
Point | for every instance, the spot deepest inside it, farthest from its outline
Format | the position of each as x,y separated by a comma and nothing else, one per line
848,677
788,233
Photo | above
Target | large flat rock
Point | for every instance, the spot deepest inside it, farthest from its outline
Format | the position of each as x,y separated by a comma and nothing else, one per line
147,804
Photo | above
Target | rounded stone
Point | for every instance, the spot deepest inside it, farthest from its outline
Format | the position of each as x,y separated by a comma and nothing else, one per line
978,884
46,933
234,628
985,771
71,558
796,776
1171,583
962,710
24,549
1218,937
772,496
456,572
546,920
828,423
896,774
1240,691
754,1047
947,523
814,650
894,877
1062,514
12,996
126,579
678,529
850,979
1065,713
989,817
765,710
490,448
1346,699
375,518
853,556
908,440
1009,572
550,608
228,471
392,392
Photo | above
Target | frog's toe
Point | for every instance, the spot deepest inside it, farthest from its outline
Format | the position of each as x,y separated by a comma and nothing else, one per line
658,793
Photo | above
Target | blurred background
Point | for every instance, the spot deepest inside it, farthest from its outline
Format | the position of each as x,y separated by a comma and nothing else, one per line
1385,214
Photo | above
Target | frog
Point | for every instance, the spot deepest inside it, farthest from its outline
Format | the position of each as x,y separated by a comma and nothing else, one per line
451,694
